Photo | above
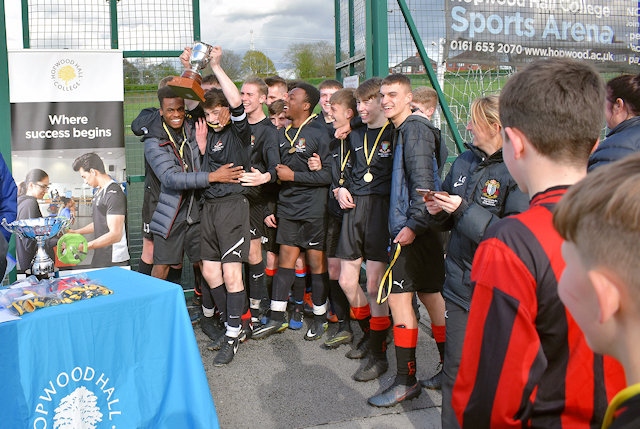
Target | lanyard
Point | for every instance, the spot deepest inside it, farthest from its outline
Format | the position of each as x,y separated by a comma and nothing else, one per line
343,158
184,139
369,156
618,400
292,141
181,148
387,279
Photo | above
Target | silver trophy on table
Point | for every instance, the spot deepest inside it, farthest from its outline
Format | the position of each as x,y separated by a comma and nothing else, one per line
39,229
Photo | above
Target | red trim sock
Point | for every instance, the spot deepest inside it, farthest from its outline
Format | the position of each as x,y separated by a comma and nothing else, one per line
405,340
378,336
440,335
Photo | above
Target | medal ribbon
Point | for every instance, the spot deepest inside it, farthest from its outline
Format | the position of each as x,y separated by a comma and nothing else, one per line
369,156
343,158
292,141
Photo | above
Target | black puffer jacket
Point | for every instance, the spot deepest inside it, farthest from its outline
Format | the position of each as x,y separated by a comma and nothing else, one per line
488,193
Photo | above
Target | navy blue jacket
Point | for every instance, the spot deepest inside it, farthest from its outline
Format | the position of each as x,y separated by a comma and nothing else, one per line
622,140
488,193
8,197
165,161
414,151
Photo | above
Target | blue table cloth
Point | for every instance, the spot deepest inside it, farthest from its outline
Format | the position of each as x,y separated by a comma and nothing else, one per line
127,360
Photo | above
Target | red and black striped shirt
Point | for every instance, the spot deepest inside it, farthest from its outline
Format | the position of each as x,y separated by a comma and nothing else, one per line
525,362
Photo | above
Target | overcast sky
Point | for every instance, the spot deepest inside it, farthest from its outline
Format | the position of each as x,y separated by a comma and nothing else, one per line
274,24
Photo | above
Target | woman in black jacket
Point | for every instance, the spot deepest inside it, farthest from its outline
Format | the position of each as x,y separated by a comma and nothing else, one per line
34,187
622,112
478,192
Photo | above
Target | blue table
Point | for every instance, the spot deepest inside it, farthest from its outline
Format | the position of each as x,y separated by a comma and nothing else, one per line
127,360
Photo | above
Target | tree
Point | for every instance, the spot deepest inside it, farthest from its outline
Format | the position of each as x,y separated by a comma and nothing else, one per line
256,63
156,72
312,59
325,59
131,73
232,65
303,60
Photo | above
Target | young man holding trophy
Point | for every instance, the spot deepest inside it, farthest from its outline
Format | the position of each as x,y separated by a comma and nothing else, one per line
225,214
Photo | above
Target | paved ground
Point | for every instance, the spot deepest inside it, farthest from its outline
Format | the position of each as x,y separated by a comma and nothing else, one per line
286,382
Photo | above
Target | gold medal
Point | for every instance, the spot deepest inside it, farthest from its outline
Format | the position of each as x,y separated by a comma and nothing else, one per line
368,155
341,182
295,138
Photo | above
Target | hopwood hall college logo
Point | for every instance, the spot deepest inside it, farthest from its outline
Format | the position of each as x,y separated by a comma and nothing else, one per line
66,74
80,398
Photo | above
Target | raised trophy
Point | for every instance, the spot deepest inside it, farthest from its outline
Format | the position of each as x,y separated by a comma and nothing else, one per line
39,229
188,85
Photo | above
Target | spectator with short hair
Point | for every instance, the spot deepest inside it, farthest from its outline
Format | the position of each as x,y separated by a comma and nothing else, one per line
524,361
425,101
600,285
479,191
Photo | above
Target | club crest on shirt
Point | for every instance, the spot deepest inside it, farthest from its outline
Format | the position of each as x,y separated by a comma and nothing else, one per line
301,145
253,140
385,149
490,192
217,147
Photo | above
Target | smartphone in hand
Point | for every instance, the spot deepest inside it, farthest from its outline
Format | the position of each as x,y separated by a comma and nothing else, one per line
423,191
428,193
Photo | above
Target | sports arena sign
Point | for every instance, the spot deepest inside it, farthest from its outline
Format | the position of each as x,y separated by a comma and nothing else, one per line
518,31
